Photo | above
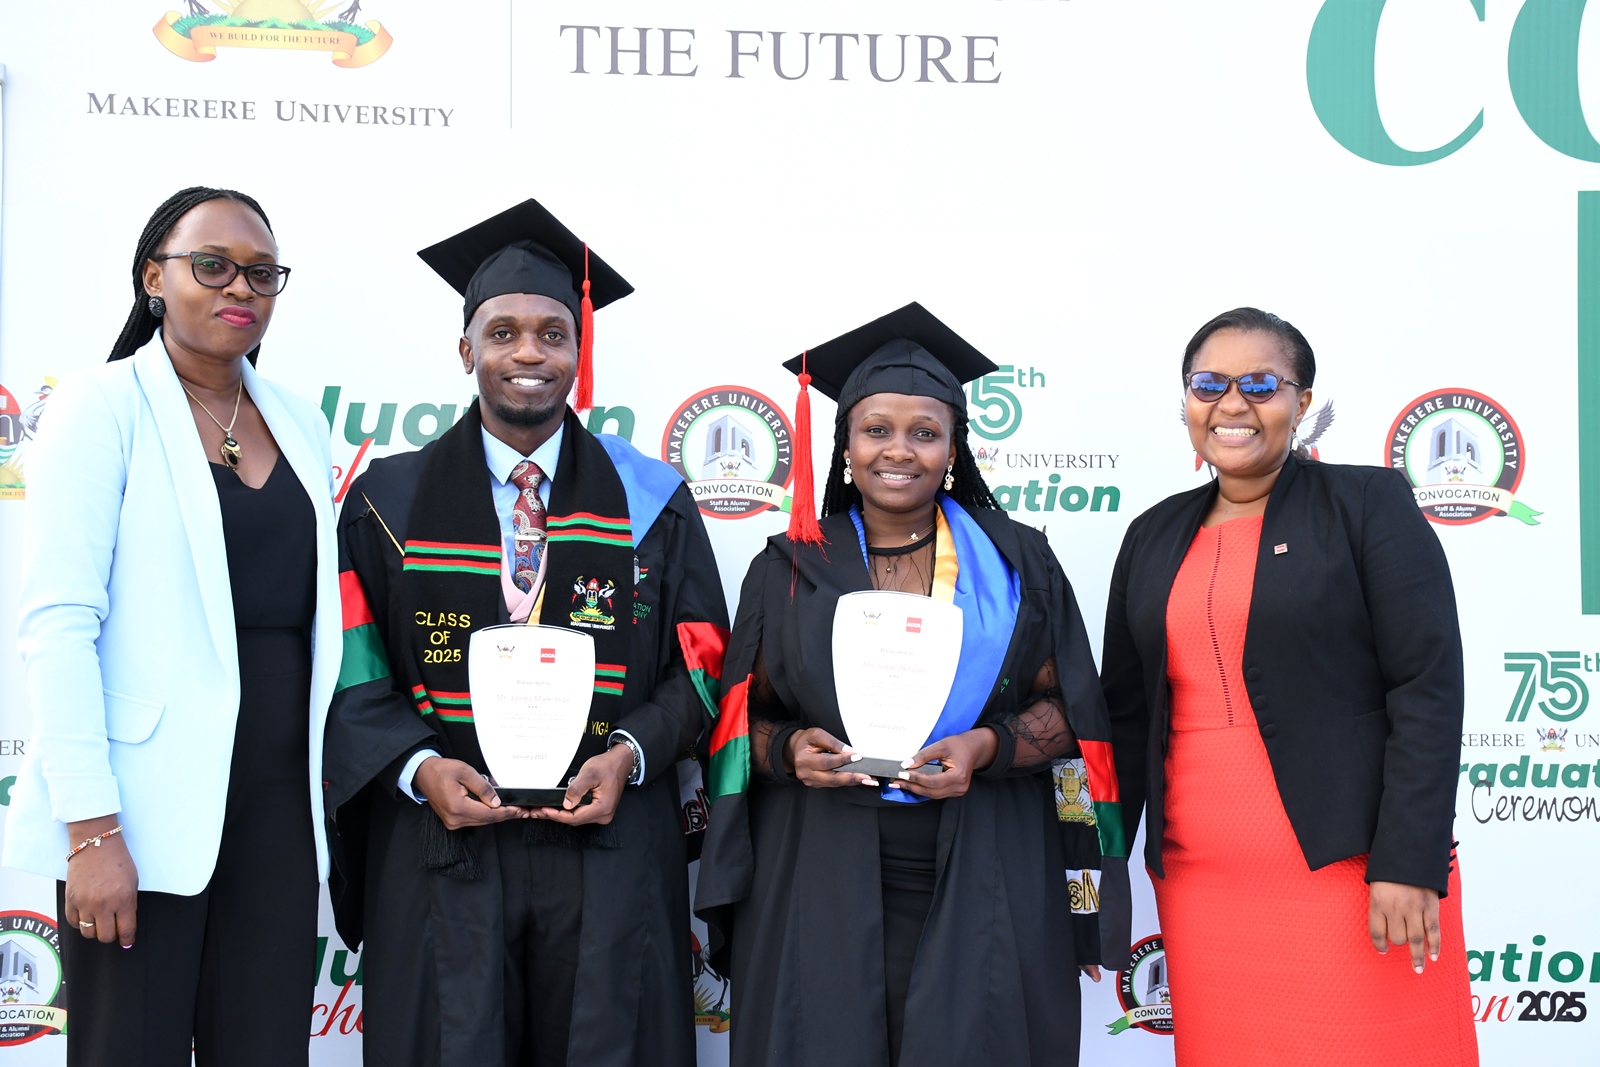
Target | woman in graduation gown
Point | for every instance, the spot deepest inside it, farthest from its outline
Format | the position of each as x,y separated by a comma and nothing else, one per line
923,919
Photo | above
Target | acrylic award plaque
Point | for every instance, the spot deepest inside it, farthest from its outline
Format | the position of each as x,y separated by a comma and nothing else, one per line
531,689
894,661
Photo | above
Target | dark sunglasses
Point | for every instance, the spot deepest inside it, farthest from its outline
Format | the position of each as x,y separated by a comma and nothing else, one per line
217,272
1257,387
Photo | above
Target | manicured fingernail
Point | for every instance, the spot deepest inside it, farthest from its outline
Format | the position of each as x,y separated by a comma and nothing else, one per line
869,781
855,758
127,946
905,776
1418,968
893,785
906,764
1434,957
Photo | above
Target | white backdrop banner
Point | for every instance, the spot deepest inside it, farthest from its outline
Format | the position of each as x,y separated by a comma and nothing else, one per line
1074,185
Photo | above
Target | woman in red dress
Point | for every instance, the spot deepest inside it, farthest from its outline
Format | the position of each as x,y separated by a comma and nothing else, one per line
1283,669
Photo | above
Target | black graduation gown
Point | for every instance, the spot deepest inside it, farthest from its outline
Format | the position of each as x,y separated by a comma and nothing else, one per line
790,879
432,966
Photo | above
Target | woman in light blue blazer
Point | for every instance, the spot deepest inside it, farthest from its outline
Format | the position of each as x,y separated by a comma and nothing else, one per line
181,635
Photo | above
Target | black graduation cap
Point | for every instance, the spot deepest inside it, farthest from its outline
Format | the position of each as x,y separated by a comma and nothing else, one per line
907,351
525,249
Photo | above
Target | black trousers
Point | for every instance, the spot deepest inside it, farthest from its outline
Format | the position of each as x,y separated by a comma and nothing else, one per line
908,845
542,903
230,971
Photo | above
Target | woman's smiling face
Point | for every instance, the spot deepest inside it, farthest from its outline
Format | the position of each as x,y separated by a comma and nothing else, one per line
1234,435
899,448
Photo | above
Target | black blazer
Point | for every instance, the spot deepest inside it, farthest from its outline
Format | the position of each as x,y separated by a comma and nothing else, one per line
1352,661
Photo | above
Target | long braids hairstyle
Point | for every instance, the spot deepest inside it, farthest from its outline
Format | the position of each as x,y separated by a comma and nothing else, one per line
970,491
141,324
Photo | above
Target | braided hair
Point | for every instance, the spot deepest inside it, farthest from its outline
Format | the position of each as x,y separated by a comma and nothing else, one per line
970,491
141,325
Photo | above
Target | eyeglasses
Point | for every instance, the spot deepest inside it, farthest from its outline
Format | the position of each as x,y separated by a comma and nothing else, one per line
1257,387
217,272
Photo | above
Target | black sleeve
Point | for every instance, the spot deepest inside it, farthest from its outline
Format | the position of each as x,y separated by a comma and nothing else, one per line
372,726
770,727
1039,731
1122,682
678,711
1405,579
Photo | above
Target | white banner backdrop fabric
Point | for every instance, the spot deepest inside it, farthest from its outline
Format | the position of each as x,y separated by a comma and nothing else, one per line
1074,185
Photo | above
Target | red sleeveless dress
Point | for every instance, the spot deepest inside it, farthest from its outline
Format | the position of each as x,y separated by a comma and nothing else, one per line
1269,963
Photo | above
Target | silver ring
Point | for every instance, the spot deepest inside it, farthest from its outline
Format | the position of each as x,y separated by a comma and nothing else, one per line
86,926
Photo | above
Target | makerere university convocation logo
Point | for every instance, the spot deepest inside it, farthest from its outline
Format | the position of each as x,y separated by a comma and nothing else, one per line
1463,455
308,27
30,978
1142,990
735,448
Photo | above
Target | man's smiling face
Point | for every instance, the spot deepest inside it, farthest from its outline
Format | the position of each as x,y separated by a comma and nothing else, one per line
524,350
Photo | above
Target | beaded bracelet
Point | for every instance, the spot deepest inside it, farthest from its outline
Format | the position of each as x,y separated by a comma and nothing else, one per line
95,840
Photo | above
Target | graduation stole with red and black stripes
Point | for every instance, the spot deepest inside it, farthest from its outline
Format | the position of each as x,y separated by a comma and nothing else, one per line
450,578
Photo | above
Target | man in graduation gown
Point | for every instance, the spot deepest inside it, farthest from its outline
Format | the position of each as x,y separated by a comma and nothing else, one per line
497,934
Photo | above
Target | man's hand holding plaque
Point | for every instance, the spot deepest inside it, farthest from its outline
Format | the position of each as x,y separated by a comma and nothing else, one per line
531,691
894,661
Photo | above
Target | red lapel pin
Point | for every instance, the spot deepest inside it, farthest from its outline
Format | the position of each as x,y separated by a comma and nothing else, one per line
1278,550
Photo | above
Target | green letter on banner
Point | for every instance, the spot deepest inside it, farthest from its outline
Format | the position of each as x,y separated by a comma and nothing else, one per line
1543,67
1589,398
1340,75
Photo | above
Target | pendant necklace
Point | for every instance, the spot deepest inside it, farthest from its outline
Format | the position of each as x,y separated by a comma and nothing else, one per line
892,567
229,448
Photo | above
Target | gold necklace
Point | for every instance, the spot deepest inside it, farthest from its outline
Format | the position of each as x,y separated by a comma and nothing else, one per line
231,452
892,568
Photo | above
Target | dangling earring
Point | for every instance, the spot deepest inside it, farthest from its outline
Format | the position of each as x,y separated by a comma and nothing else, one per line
950,477
157,306
1294,440
848,477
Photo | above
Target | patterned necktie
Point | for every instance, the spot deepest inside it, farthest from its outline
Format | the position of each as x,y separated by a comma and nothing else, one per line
527,525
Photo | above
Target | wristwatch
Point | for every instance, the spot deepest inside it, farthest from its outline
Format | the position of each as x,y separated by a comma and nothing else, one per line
636,772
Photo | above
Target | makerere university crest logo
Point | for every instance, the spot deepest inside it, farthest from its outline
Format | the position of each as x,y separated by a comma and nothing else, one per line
313,26
1463,455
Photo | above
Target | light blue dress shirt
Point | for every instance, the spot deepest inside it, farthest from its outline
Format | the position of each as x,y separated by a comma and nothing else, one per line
502,459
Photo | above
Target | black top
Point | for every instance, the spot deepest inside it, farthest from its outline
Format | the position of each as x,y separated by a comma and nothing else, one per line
271,534
1352,657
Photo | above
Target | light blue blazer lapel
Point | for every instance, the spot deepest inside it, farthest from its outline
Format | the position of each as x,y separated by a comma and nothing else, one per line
195,491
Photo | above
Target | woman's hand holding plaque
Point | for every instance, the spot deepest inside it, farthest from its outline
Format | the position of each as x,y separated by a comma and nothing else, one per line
894,661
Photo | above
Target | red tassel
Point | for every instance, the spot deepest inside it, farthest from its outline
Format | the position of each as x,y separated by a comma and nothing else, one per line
803,525
583,391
